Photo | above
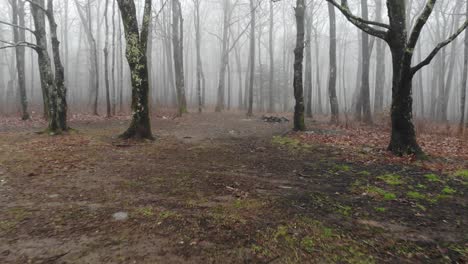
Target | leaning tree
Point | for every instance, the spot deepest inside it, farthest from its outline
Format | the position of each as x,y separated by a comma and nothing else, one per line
136,57
402,44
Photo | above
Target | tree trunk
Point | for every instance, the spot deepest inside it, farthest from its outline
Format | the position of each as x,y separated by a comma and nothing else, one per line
224,56
271,104
20,36
308,62
365,87
464,81
332,73
198,47
178,49
299,124
136,56
106,61
379,65
45,66
251,59
61,89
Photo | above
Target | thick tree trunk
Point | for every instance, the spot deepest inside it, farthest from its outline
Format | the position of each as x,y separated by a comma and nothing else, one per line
61,89
45,66
136,56
20,36
299,124
332,73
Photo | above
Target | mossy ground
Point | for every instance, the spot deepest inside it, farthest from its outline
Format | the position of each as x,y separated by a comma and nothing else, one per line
241,194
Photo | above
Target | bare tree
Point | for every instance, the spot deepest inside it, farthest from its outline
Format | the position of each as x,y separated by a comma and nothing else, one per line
402,44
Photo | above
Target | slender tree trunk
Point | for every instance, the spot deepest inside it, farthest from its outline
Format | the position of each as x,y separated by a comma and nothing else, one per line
365,87
198,47
178,49
271,103
379,65
20,36
251,58
317,73
114,90
224,56
106,61
464,81
332,73
308,68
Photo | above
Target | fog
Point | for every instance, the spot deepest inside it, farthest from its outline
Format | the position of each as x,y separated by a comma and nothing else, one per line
443,77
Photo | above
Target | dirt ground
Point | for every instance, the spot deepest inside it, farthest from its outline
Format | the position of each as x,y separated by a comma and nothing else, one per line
217,188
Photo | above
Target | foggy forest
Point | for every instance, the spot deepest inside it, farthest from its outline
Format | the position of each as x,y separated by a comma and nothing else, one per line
233,131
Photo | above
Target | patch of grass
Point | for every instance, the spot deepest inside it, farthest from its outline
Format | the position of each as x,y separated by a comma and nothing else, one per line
391,179
421,186
291,143
305,240
461,174
145,211
416,195
342,167
448,190
422,207
380,209
376,191
344,209
327,232
308,244
167,214
364,173
432,177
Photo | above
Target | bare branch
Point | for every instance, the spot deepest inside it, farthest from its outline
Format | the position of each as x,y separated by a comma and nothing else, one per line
17,26
360,22
439,46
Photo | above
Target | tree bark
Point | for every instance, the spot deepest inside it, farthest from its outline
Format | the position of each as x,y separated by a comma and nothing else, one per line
299,124
308,61
19,35
379,66
251,59
271,103
61,89
178,49
224,56
464,81
136,57
332,72
106,61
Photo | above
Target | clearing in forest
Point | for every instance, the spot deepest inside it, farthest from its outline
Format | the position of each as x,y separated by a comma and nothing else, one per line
220,188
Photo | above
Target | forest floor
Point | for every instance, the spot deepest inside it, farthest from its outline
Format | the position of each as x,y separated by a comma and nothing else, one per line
220,188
